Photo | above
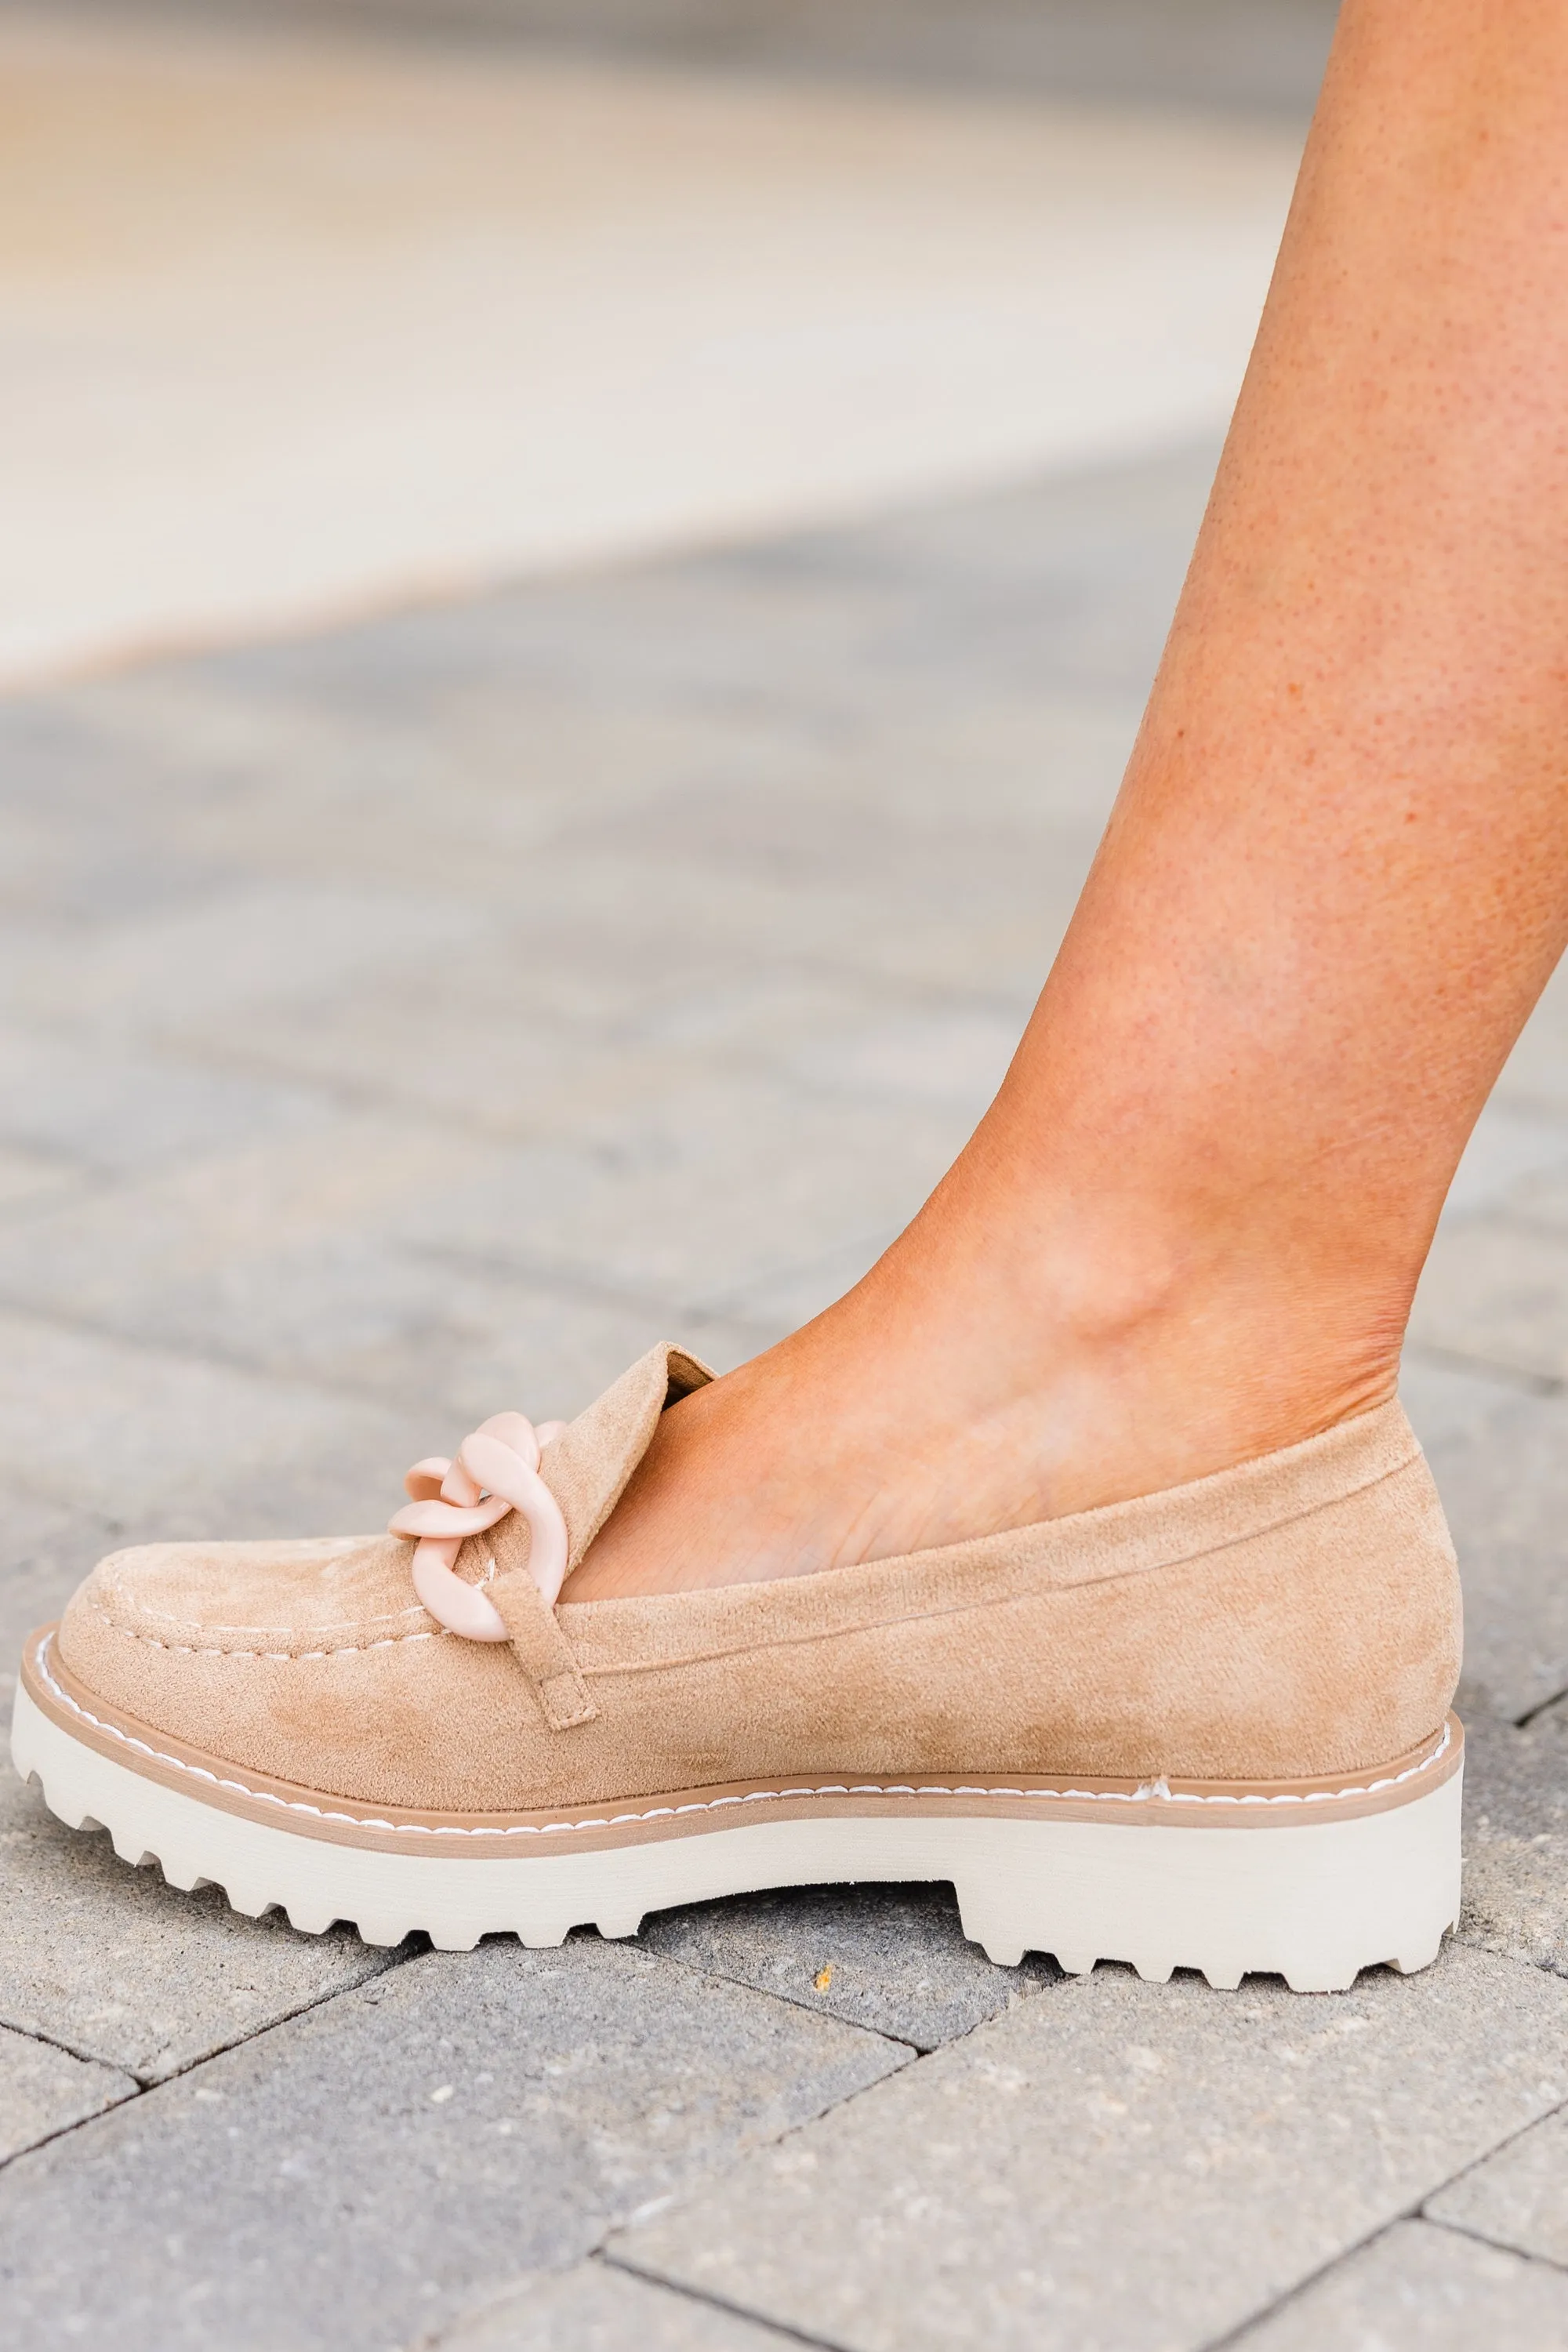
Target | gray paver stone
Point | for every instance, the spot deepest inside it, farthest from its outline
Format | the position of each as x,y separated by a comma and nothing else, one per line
359,2176
1445,1402
1512,1145
1516,1840
1418,2289
244,940
597,2308
279,1263
1496,1291
1116,2167
170,1442
105,1109
123,1968
45,1550
44,2090
1535,1076
891,1958
726,1181
30,1178
1500,1460
1519,2197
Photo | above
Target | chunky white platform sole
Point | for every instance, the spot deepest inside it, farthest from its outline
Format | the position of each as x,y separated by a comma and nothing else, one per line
1311,1882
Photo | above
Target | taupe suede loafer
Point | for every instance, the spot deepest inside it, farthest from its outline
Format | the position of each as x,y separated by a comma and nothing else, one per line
1208,1728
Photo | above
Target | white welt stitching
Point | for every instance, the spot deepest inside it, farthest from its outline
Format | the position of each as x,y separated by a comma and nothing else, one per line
284,1657
1151,1792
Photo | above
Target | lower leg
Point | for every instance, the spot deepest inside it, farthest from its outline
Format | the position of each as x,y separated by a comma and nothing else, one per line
1190,1227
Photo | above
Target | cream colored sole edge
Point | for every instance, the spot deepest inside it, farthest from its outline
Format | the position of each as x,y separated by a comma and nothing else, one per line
1312,1901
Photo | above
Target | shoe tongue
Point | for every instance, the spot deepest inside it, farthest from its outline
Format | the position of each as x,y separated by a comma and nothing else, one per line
587,1467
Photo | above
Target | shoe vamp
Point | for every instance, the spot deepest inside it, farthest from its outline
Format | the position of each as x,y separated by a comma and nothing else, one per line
322,1591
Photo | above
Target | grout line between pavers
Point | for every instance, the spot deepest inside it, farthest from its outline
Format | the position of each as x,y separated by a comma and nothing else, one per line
787,2001
719,2303
1237,2334
605,2250
1522,1722
142,2089
447,2331
145,2089
69,2049
1471,1942
1025,1989
284,2016
1498,2245
1415,2211
1475,2162
63,2131
608,2251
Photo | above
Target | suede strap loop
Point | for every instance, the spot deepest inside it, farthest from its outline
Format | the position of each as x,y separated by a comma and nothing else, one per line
542,1650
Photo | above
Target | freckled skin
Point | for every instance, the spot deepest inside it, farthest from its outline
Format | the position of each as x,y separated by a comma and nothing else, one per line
1190,1227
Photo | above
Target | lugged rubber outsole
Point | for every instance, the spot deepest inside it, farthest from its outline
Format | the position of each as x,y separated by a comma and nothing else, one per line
1307,1896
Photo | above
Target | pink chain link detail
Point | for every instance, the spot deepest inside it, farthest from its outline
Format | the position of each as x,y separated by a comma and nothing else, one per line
496,1471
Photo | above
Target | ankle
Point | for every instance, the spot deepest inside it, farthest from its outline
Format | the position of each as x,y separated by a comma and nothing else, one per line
1192,1341
956,1395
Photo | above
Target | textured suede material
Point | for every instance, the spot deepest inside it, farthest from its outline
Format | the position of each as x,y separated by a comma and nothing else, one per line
1294,1617
587,1467
329,1592
543,1652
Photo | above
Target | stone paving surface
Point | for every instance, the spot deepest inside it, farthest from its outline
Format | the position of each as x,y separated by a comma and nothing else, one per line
352,2176
890,1958
1502,1457
1116,2167
115,1965
1418,2289
426,1017
594,2308
1516,1839
1518,2198
44,2090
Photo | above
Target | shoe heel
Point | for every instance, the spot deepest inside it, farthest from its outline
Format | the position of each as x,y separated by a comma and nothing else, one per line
1312,1901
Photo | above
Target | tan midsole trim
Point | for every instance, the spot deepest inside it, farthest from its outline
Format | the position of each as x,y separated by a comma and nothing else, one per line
1174,1804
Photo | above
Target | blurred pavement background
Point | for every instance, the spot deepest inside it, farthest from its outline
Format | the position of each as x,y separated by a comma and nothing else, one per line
296,318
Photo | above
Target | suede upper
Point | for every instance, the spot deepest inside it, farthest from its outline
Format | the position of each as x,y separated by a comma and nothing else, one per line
1296,1616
